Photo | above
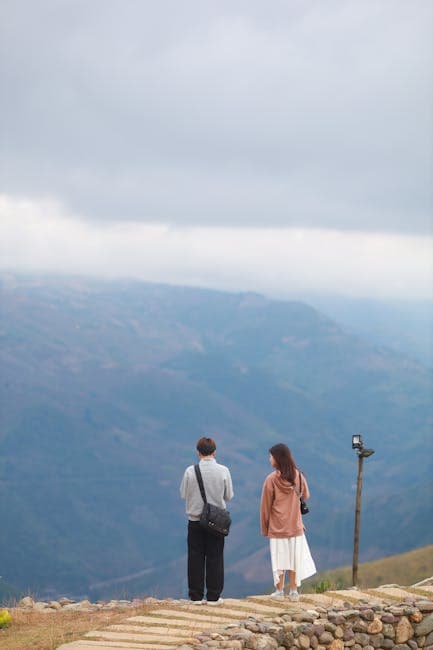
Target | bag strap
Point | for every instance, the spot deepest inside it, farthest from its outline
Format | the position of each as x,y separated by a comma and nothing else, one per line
200,482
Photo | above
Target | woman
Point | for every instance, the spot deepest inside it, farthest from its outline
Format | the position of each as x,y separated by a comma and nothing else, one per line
281,522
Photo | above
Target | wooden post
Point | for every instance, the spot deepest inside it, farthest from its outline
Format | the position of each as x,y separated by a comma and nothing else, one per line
357,522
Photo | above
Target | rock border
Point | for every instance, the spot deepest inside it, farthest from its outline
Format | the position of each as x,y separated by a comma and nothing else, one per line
67,604
404,626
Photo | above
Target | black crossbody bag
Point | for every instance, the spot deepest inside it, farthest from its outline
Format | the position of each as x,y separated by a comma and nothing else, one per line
213,519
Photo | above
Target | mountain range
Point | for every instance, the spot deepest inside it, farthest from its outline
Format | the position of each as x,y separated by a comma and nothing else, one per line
107,385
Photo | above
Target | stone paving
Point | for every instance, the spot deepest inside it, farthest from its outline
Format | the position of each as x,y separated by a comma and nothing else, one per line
171,625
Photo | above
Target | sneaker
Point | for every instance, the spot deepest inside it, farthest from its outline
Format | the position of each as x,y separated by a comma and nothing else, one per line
294,595
196,602
213,603
278,593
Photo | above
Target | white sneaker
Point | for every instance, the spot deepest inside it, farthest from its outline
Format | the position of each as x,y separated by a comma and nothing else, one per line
213,603
278,593
196,602
294,596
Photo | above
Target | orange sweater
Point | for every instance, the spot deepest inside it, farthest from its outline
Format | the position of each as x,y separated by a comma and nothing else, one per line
280,512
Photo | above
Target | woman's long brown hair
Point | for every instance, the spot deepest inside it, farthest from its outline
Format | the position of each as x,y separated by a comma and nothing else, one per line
284,460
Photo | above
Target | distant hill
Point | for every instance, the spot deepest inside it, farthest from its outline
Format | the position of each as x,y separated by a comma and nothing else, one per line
106,387
405,568
404,326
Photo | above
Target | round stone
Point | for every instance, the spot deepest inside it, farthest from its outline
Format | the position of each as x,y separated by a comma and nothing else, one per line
376,640
360,626
351,613
329,627
404,630
336,644
389,631
40,605
362,639
308,629
289,639
397,611
326,638
425,605
54,604
416,617
425,627
252,627
367,614
388,618
26,602
348,634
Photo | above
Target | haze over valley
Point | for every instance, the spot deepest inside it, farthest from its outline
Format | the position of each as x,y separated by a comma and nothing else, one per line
106,387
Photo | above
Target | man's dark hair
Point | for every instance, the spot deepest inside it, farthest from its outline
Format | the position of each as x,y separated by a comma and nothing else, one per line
206,446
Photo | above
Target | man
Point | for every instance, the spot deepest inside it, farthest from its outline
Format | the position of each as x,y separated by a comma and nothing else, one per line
205,551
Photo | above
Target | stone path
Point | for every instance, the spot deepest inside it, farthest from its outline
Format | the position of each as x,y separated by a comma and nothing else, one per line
171,625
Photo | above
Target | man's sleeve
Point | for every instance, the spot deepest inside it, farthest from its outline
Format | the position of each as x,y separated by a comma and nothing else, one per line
184,485
228,487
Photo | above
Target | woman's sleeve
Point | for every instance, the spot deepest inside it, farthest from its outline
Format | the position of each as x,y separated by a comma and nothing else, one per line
305,489
265,506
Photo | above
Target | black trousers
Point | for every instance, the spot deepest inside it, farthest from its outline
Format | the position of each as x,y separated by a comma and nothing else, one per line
205,559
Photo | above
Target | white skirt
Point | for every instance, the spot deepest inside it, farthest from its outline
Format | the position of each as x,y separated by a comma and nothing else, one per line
291,554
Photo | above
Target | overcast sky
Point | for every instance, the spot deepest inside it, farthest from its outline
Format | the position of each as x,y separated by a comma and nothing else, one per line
257,145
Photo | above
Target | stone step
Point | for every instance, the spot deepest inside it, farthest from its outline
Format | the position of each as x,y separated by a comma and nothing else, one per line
242,612
269,606
166,630
171,625
104,635
173,622
200,616
235,605
397,593
354,595
111,645
422,591
323,600
279,606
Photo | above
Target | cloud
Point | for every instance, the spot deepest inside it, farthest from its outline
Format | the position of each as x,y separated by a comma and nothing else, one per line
42,237
229,114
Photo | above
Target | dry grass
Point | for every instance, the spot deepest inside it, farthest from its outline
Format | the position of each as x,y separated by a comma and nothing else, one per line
404,569
32,630
419,591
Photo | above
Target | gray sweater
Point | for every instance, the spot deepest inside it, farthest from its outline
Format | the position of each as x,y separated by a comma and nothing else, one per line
217,484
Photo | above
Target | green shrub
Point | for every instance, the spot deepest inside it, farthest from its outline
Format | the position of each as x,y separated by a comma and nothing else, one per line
340,583
5,618
322,586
